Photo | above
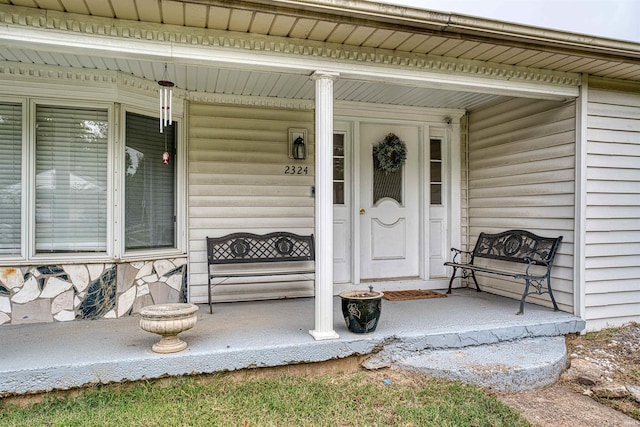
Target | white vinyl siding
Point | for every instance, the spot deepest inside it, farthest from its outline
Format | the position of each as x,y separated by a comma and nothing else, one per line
239,180
522,176
464,188
612,246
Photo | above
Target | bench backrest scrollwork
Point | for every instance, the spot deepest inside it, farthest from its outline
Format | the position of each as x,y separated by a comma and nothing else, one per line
244,248
517,246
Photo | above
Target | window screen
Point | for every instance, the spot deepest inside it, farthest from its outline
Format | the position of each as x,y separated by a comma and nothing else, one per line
149,184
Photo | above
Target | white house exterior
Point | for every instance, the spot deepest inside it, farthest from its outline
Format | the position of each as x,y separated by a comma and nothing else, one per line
507,127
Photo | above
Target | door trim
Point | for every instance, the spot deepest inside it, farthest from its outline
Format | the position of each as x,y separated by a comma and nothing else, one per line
447,121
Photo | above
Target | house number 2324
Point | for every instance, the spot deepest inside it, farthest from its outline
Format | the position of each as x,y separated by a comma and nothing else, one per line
296,170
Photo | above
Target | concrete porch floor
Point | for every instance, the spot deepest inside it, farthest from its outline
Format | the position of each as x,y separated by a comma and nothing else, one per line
41,357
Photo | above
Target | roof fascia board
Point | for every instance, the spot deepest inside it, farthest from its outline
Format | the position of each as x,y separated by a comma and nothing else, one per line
462,24
91,36
422,21
224,57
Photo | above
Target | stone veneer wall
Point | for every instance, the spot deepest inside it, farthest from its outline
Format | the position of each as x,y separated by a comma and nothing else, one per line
49,293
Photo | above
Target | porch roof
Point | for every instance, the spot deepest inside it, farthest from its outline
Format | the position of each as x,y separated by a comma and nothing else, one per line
338,30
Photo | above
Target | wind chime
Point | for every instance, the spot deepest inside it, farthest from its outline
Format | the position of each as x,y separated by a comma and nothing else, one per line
166,116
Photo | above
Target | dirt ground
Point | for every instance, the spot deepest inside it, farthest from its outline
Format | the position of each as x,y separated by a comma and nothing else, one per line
598,388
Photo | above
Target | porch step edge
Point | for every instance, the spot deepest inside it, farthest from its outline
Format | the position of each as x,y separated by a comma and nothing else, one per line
406,345
507,366
419,340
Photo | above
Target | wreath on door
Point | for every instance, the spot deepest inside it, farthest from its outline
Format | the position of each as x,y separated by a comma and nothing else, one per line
391,153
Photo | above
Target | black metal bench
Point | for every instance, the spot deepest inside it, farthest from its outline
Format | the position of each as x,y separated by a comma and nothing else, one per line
516,246
249,248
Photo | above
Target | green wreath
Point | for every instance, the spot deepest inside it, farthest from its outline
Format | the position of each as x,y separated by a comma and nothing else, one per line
390,153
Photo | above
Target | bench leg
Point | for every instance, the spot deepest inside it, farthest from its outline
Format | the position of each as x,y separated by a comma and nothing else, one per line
524,296
473,275
453,276
553,300
209,294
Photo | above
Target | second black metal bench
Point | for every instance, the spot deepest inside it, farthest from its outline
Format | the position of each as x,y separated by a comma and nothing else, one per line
516,246
249,248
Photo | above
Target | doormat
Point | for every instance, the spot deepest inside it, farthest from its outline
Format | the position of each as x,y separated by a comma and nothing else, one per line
411,294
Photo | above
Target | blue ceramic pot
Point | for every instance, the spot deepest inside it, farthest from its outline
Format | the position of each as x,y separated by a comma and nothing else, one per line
361,310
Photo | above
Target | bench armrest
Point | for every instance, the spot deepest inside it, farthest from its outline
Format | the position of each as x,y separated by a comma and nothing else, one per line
531,262
458,252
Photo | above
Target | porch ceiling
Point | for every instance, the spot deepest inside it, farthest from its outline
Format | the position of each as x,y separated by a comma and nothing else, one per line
256,83
350,23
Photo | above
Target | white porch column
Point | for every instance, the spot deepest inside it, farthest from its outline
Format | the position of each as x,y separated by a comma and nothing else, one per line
324,207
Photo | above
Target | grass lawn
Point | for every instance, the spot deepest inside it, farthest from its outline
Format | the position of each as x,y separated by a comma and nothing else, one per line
350,399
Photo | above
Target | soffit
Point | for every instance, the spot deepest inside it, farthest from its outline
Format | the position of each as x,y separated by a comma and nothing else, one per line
376,25
304,20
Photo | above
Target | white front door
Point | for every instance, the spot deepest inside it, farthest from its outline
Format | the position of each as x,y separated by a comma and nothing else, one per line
389,207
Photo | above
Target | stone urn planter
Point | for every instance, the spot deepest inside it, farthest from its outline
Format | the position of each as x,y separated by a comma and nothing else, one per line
168,320
361,310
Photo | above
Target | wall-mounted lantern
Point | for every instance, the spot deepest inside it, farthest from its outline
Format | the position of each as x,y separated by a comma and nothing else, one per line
299,149
297,144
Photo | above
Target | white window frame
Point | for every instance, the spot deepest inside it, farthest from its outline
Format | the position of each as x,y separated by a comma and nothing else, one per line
439,133
30,245
116,115
24,176
180,187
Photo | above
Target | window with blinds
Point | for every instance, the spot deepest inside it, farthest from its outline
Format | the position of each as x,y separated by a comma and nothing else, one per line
71,179
10,178
149,184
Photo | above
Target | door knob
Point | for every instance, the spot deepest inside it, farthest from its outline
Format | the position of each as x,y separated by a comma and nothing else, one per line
361,211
